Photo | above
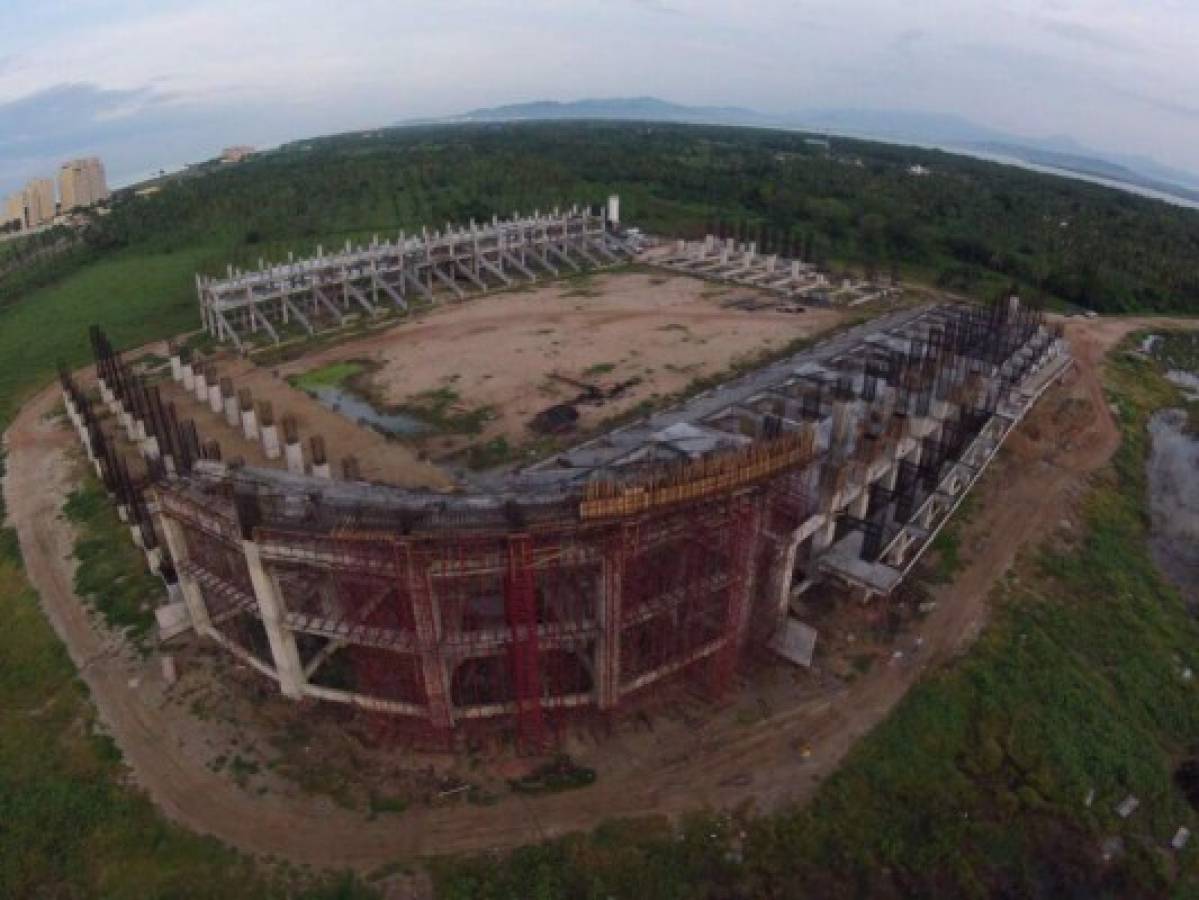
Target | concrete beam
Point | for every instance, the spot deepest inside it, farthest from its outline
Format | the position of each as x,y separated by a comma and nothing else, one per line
270,612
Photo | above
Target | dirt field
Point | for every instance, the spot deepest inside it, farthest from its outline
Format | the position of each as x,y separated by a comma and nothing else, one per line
501,352
379,459
750,750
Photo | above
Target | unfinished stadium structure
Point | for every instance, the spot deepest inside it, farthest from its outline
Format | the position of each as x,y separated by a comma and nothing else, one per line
323,291
667,549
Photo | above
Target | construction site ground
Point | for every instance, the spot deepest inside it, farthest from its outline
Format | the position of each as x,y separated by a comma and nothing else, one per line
650,333
221,755
379,459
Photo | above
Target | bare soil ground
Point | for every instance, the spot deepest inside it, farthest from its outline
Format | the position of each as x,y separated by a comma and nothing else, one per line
772,746
379,459
501,352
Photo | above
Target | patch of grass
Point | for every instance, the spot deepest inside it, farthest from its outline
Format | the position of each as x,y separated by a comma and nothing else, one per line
599,369
333,375
241,769
862,662
560,774
442,409
946,547
379,804
494,452
111,574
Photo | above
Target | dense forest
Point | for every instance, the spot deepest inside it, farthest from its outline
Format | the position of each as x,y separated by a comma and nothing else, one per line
965,224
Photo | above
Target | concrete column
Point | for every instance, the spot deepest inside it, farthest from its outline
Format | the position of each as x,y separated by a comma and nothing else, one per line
892,476
193,598
270,610
229,402
249,420
154,560
841,423
176,368
824,537
187,376
267,430
433,667
781,573
295,457
607,648
200,384
215,400
614,210
795,269
270,441
861,503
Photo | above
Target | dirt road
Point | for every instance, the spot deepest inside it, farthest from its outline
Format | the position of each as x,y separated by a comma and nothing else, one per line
722,764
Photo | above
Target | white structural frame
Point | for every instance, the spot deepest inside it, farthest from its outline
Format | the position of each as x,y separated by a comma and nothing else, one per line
452,263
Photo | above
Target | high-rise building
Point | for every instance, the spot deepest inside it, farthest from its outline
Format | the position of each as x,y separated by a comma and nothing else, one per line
81,183
39,202
14,209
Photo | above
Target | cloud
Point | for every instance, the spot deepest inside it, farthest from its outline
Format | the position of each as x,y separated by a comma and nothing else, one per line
1095,38
907,39
146,73
63,114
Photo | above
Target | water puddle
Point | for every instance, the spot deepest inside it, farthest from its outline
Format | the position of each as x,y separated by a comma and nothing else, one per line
1173,472
358,410
1187,381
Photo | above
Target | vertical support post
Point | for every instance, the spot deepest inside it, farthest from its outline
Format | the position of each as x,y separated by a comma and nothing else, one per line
270,611
414,572
193,598
608,656
520,603
745,521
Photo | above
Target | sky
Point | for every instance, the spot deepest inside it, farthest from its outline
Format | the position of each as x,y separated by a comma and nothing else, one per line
149,84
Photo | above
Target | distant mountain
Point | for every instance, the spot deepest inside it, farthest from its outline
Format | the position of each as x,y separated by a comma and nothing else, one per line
631,108
946,131
897,125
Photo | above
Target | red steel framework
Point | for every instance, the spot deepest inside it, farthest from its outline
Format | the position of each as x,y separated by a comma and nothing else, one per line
441,633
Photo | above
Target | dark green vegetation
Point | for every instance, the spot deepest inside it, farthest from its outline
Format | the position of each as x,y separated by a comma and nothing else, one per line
110,573
971,225
559,774
444,410
979,783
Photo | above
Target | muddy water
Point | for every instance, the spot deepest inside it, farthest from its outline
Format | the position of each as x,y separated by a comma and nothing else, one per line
356,409
1173,471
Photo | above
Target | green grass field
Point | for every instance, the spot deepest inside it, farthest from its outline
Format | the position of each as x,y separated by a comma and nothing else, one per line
136,297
